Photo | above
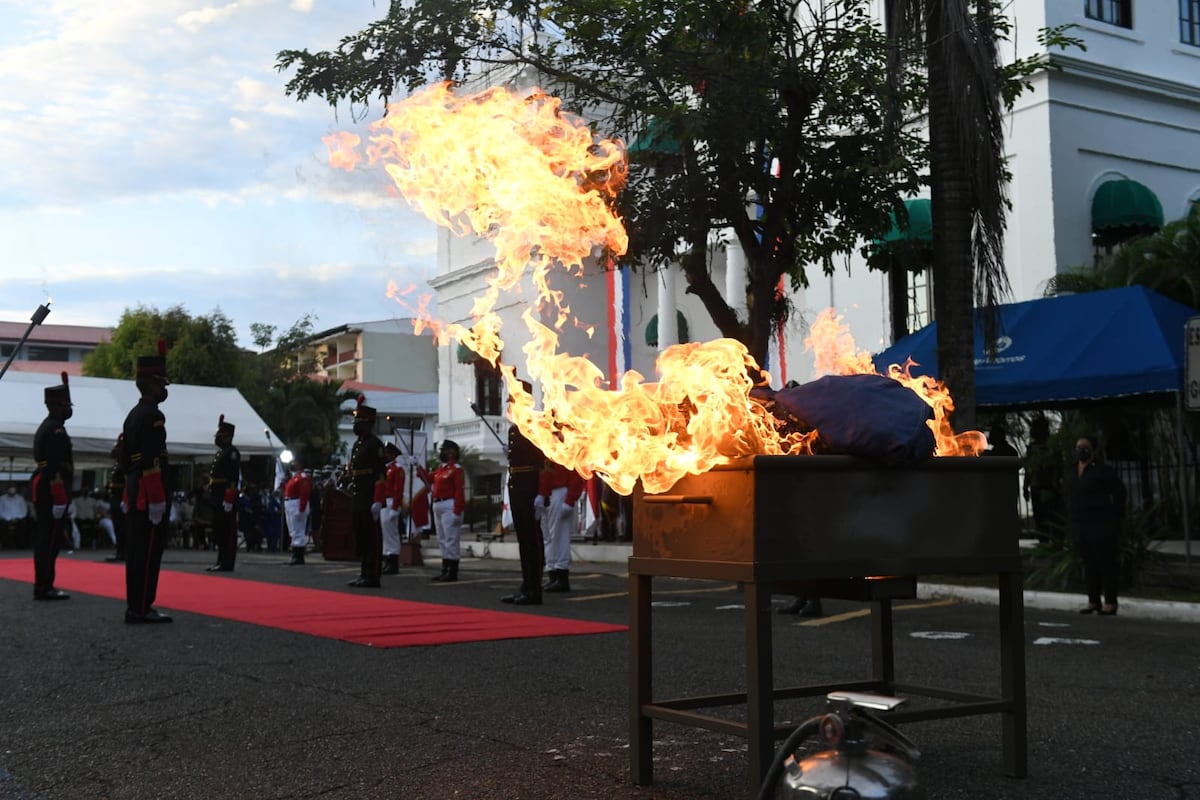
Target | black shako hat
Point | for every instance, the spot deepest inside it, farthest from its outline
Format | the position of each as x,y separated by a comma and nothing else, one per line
363,412
154,366
224,428
58,394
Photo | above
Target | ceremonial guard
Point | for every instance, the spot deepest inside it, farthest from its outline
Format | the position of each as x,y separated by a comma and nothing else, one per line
559,490
297,493
146,490
447,485
393,510
525,463
367,469
224,483
116,499
51,480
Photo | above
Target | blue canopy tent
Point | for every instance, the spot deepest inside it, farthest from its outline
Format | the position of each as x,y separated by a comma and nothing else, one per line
1063,350
1068,350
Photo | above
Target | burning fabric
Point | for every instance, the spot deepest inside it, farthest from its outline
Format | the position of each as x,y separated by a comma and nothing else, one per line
888,422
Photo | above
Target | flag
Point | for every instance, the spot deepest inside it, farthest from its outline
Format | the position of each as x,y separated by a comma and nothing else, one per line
619,346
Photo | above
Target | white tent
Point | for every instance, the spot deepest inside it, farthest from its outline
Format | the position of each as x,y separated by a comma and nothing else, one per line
100,407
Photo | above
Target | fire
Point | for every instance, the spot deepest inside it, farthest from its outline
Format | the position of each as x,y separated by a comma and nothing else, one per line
835,353
538,184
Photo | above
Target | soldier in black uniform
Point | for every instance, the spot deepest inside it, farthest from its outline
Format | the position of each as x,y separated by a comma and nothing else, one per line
116,496
146,490
525,463
224,482
368,465
51,481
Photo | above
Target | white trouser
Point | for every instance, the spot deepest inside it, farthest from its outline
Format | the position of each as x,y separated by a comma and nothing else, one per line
389,522
557,522
106,525
297,521
449,528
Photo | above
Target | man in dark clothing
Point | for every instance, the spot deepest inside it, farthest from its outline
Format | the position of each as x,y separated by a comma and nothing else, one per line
116,496
146,490
525,462
224,477
55,469
1095,506
368,465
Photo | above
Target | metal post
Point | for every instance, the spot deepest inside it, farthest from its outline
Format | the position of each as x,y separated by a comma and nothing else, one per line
1183,484
38,317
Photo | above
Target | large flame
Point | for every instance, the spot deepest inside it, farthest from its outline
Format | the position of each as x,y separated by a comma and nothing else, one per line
538,183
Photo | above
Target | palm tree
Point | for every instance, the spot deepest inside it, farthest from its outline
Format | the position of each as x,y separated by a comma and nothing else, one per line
968,178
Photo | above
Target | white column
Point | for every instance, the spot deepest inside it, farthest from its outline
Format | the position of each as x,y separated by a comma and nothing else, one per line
735,277
668,326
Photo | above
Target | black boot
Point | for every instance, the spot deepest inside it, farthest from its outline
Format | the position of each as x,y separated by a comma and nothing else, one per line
551,577
812,609
561,582
445,569
451,573
297,556
391,565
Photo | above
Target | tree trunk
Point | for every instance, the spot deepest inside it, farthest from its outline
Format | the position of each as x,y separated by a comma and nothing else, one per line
953,262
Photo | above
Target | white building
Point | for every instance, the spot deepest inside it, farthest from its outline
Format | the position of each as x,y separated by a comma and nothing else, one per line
1107,134
1110,132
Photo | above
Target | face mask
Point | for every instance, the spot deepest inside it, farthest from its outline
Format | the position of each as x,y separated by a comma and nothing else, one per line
1083,453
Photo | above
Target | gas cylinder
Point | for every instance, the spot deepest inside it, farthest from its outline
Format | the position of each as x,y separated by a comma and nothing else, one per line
868,759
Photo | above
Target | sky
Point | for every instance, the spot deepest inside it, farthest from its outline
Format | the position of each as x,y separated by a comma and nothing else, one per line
150,157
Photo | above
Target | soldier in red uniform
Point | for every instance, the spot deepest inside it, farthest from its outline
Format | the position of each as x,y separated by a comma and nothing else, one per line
448,489
224,483
558,491
393,510
51,480
367,469
297,493
146,490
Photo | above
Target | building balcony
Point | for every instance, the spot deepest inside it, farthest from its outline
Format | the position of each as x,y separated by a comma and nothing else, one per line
482,437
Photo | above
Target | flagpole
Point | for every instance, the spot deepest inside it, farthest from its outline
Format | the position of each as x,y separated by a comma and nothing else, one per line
38,317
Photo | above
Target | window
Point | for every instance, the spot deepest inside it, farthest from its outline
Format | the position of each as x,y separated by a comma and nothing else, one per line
1189,22
920,297
6,350
487,388
1114,12
41,353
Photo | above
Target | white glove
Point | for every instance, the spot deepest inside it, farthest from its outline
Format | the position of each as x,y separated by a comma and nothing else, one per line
58,511
375,509
227,506
124,507
156,512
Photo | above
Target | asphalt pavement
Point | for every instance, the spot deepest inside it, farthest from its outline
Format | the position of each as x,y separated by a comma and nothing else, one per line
208,708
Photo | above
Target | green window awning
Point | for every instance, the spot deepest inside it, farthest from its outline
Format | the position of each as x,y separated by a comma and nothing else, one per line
466,355
652,329
655,138
1125,204
918,229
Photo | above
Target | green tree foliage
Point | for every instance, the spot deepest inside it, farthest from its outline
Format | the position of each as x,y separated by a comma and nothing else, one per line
201,350
765,119
305,413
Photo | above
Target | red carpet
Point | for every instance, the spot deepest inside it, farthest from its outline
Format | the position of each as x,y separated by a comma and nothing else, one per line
362,619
